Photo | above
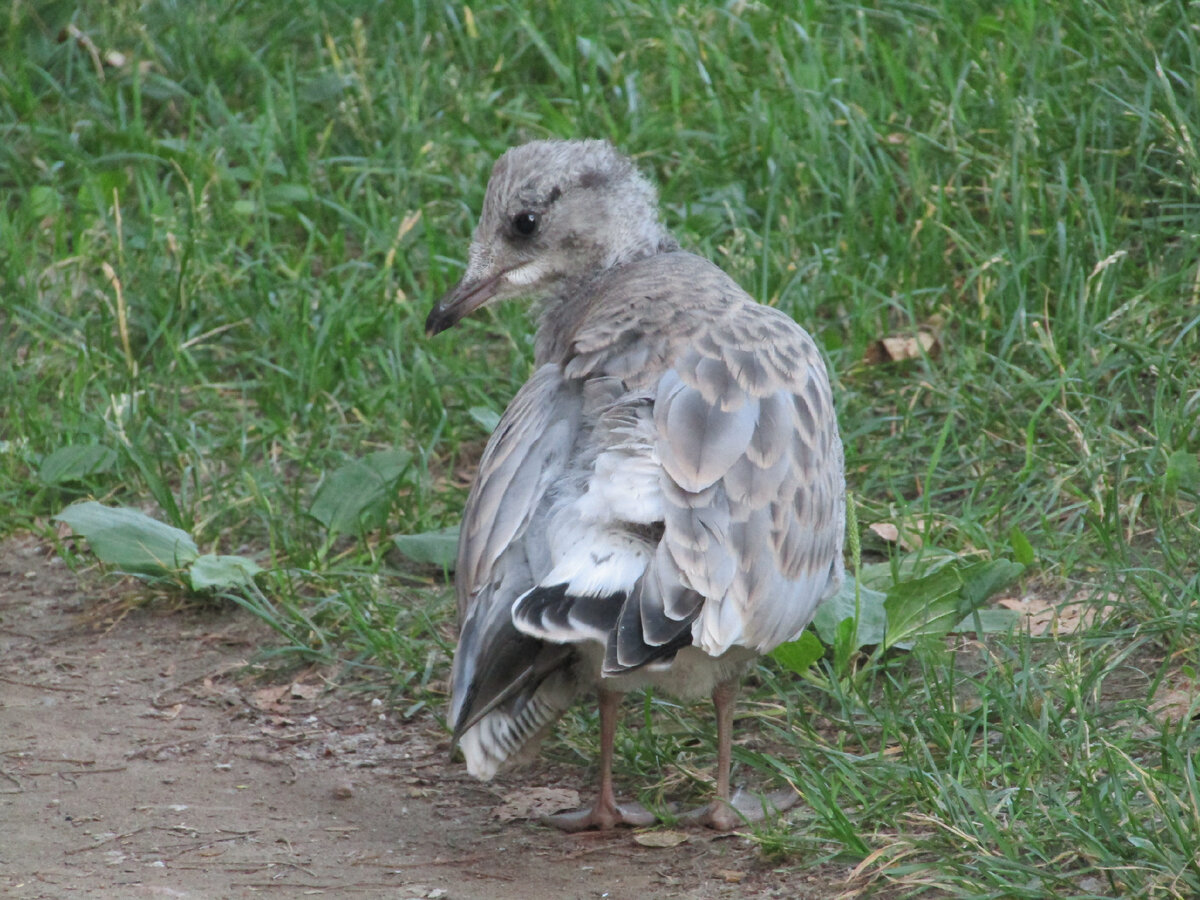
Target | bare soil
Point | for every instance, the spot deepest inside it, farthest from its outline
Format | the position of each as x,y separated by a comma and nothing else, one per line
138,758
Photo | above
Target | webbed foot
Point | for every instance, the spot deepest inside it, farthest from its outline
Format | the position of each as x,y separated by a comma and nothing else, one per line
742,809
602,816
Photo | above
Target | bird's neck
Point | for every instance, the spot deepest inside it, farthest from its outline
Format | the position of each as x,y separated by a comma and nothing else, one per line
561,315
565,310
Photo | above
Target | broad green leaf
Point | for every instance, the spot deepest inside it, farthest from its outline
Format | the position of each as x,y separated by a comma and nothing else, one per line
872,620
488,419
44,201
881,576
287,194
1183,471
435,548
877,576
1022,549
922,608
796,656
129,540
75,463
992,620
355,497
212,572
845,645
983,579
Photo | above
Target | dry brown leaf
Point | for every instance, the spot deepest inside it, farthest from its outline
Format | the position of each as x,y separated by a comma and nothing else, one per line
173,711
907,534
533,803
270,699
912,345
886,530
661,839
1044,616
304,691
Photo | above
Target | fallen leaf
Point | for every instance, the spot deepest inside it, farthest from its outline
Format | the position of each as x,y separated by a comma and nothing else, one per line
305,691
1042,616
270,699
902,347
533,803
909,534
661,839
886,530
896,348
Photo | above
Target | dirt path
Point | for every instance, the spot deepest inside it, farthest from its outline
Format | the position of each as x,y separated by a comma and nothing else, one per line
136,759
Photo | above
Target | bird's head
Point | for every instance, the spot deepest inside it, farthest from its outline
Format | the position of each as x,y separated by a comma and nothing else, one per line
554,212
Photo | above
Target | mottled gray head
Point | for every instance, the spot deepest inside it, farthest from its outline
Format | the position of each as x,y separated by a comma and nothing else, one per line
555,211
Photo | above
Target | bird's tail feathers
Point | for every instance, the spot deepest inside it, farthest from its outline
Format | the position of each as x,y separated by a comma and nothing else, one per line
510,731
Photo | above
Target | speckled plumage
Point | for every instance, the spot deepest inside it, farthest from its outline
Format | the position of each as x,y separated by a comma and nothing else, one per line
664,498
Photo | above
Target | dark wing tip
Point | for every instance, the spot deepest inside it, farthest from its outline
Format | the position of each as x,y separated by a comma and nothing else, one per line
628,647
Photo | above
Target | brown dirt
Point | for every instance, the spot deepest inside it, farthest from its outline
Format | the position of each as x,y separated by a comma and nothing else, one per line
137,758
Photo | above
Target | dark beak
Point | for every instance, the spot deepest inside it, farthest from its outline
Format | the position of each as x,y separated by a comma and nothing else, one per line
460,301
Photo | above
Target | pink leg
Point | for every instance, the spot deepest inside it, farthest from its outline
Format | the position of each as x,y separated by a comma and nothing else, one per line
725,812
721,815
605,813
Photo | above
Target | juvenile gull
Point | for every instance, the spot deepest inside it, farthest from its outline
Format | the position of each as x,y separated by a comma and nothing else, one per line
664,498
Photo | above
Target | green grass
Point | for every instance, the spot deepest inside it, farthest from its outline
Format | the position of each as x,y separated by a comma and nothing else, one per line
217,254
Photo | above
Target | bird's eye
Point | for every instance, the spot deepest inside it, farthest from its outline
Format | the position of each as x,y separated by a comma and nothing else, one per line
525,223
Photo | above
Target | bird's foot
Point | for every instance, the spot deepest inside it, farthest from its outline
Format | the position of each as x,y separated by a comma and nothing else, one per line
602,817
742,809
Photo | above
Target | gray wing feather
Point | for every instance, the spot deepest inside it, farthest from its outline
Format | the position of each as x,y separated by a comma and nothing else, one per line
524,456
754,496
508,687
708,440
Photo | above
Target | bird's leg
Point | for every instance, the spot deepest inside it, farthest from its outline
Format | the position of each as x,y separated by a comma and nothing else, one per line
720,814
725,812
605,812
724,697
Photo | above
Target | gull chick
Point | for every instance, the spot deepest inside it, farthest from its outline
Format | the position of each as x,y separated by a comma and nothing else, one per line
664,498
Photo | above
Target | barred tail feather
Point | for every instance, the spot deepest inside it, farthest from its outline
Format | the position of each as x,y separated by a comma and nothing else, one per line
510,734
